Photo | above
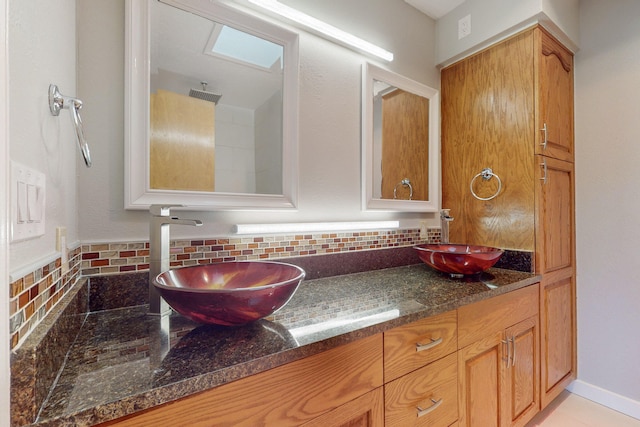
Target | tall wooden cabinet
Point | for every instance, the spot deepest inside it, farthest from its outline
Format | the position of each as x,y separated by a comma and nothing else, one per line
510,108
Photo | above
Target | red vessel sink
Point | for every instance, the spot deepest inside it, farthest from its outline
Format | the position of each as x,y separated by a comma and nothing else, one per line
230,293
459,259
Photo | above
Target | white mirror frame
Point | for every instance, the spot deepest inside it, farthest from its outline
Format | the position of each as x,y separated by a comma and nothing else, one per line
137,193
370,73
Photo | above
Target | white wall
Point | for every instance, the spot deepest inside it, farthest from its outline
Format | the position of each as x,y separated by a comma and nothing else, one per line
607,110
329,184
40,42
235,153
492,20
42,50
4,220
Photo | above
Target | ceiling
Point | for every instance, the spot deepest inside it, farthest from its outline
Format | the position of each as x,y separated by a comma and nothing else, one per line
435,8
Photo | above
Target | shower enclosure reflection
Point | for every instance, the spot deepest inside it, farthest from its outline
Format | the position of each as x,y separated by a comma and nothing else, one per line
216,106
220,124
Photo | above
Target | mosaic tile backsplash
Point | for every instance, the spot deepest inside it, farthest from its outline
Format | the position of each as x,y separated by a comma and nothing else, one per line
33,296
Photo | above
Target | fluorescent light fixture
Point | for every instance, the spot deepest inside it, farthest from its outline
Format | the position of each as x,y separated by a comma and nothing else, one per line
324,29
307,227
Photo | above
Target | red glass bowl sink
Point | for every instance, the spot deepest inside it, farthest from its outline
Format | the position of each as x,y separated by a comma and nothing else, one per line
229,293
459,259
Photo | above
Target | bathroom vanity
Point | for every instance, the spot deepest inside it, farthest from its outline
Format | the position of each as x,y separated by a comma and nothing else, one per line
385,347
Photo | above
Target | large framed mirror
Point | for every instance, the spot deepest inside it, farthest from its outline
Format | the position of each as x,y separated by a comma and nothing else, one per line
211,97
400,143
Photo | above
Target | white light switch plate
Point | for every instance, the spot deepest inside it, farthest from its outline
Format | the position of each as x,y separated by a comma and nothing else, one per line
27,202
464,27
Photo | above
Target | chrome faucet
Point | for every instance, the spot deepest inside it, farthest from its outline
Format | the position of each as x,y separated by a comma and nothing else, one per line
159,254
445,219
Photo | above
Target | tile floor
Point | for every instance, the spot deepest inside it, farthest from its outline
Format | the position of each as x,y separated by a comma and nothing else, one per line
571,410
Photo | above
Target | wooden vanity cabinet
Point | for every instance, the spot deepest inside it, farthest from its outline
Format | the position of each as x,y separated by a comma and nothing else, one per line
476,366
498,360
510,108
420,370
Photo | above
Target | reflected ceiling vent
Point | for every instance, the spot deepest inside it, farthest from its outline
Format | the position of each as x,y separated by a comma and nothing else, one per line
204,94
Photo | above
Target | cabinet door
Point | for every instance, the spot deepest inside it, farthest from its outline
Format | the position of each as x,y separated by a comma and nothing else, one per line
480,367
555,248
558,329
521,377
555,98
365,411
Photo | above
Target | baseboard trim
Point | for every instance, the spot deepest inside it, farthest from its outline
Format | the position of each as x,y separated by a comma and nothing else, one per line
607,398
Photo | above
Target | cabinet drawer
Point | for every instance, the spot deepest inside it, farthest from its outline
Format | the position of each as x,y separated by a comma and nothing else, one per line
432,390
484,318
412,346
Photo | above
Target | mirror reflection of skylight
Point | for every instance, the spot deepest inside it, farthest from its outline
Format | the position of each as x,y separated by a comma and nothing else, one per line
247,48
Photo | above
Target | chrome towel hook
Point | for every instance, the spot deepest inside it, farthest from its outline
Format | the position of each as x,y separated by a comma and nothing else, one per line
486,174
57,102
406,183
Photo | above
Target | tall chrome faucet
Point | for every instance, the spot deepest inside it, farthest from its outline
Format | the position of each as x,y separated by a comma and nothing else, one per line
445,219
159,253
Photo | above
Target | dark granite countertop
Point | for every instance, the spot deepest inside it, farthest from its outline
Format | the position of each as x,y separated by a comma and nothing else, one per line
125,361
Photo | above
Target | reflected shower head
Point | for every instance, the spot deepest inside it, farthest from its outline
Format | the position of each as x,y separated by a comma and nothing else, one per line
204,94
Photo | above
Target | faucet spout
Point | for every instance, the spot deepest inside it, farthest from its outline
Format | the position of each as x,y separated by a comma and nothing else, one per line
159,252
445,219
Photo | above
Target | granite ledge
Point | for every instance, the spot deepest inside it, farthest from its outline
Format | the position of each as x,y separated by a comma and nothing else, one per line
415,292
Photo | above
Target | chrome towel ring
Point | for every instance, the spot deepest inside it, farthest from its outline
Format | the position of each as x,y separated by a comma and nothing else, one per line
486,174
57,102
406,183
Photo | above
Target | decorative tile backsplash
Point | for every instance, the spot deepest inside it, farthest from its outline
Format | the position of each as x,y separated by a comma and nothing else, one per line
33,296
108,258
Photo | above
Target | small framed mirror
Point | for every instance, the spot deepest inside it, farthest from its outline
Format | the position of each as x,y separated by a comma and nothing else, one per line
211,107
400,143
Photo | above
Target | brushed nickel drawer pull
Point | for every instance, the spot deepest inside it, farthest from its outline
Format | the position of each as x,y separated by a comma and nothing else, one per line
423,412
427,346
544,171
513,356
544,143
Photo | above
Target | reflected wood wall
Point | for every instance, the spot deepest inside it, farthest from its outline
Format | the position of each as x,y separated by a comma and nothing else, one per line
182,142
405,144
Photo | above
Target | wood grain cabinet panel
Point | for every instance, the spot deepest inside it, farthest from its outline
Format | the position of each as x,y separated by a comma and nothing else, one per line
558,329
476,321
480,383
365,411
522,374
488,103
425,397
555,98
414,345
498,372
555,247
